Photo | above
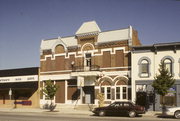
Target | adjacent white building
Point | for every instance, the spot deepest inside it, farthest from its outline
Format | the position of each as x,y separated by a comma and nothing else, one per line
145,64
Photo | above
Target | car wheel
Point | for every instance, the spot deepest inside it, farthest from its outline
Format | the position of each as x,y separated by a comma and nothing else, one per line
177,114
102,113
132,114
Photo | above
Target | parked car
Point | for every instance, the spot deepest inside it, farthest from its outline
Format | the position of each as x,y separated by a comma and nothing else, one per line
175,111
120,108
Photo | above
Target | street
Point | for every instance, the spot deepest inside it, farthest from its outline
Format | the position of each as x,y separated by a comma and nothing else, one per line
51,116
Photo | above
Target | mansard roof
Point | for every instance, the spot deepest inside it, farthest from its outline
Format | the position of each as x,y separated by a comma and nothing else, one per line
89,28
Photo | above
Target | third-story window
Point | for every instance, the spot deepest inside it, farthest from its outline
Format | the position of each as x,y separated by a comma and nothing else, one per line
168,65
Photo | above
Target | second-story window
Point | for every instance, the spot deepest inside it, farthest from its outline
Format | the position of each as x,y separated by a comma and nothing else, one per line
144,67
168,65
88,59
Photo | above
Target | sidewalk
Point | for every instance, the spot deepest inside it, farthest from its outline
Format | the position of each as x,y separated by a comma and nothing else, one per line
65,111
39,110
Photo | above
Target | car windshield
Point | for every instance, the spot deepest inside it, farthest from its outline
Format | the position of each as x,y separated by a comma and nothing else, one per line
112,104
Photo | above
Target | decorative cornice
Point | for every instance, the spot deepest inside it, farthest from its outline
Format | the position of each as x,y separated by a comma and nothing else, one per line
87,34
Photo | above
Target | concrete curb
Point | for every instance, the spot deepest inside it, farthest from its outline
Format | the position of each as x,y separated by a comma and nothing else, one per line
66,111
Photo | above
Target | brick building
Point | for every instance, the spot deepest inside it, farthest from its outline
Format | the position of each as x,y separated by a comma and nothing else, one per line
87,63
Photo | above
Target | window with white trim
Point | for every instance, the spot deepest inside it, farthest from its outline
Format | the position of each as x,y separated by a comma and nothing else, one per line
168,65
106,90
88,59
144,68
122,92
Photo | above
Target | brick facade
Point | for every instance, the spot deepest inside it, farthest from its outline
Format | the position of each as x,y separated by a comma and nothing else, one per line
90,58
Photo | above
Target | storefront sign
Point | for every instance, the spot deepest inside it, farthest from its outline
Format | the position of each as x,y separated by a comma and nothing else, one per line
19,79
28,102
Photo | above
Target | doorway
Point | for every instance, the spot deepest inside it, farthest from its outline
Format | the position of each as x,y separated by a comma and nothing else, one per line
88,97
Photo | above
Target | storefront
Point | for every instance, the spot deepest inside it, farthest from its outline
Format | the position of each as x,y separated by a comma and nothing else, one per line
145,66
19,88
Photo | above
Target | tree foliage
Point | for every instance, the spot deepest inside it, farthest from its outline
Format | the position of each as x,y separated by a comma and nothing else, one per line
50,89
100,97
163,81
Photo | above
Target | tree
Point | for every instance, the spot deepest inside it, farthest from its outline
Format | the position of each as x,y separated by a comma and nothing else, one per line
100,97
49,91
163,82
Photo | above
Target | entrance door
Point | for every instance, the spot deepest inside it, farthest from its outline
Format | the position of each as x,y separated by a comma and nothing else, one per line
89,93
60,95
2,99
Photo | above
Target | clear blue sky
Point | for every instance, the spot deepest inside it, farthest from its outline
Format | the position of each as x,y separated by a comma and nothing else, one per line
24,23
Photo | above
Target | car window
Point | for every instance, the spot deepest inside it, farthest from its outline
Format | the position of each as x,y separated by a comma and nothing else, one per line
126,104
118,105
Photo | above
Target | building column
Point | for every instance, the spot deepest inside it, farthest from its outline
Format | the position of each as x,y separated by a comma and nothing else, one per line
113,93
178,95
80,84
66,92
97,90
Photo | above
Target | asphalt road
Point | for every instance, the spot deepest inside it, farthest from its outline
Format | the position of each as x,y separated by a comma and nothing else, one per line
19,116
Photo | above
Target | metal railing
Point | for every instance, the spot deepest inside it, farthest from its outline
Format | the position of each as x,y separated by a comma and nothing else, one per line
85,68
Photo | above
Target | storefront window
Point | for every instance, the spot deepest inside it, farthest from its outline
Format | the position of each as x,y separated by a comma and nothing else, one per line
118,93
121,92
170,98
106,90
124,92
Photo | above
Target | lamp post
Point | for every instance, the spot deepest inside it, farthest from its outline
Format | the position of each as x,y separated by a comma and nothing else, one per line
10,94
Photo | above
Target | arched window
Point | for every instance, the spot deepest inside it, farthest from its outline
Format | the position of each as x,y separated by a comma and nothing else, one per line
168,65
121,92
59,49
106,88
144,67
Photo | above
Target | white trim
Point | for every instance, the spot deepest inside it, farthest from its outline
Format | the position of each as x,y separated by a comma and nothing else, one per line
87,44
127,67
121,92
96,87
30,78
66,91
56,77
55,71
81,53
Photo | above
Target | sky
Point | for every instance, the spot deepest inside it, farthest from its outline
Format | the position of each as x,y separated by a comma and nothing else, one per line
24,23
